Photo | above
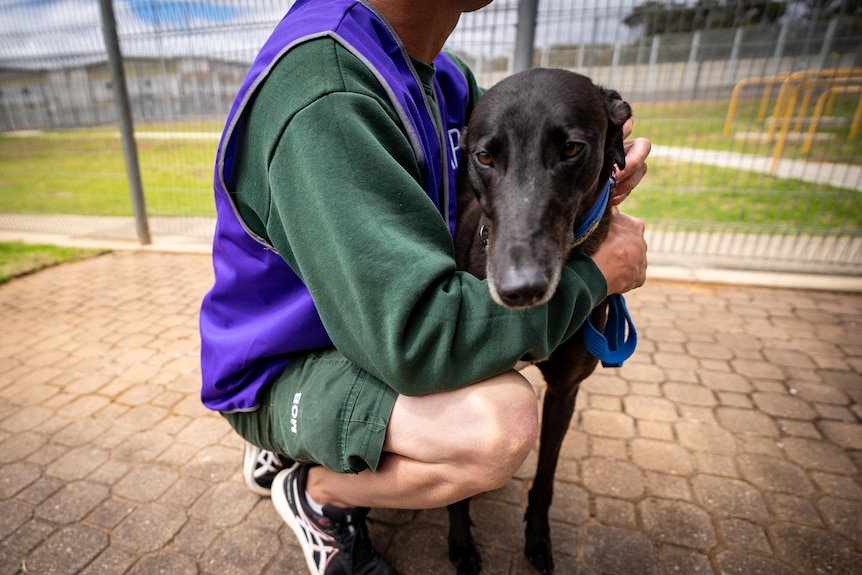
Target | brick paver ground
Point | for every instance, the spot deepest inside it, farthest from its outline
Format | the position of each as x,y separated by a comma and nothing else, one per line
730,444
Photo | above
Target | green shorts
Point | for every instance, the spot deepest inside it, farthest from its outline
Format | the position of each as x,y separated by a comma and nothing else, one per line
321,409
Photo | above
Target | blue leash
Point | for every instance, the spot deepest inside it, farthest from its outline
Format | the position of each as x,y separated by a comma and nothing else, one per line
612,347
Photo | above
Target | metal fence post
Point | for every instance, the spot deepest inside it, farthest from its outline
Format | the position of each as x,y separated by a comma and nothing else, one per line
653,63
615,62
779,49
733,62
526,34
826,48
693,59
124,117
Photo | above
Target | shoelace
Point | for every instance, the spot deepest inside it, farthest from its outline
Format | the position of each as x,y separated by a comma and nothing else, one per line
268,462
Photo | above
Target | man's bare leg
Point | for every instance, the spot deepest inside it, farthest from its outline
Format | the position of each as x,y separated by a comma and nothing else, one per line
442,448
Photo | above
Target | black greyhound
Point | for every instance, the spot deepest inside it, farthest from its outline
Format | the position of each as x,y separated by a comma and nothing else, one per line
538,153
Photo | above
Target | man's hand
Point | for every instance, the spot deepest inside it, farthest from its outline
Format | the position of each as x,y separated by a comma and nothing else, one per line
637,151
622,256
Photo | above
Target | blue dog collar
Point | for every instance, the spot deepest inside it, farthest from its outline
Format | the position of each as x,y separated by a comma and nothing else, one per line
591,219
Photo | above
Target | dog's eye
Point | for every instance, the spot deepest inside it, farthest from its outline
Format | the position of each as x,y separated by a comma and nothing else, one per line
484,158
572,149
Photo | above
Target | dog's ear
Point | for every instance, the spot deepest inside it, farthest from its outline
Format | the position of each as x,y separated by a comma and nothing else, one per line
619,112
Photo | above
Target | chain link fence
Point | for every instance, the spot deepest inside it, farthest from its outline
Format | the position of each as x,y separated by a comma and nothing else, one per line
753,109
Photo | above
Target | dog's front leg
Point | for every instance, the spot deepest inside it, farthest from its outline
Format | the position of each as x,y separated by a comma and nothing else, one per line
462,549
557,411
563,371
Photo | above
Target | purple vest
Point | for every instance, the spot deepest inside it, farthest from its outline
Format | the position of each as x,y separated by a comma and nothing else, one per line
258,313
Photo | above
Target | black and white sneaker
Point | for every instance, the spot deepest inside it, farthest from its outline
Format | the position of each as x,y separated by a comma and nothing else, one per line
259,468
335,542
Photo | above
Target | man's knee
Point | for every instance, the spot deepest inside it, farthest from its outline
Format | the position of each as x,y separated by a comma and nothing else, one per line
506,413
481,433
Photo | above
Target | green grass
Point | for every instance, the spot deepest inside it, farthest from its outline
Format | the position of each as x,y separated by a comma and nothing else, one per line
17,259
700,125
83,172
694,196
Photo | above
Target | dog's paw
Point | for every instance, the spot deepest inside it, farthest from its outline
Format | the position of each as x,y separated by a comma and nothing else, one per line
538,552
465,557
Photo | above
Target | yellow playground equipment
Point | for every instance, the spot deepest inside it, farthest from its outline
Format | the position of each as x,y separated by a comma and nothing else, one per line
829,84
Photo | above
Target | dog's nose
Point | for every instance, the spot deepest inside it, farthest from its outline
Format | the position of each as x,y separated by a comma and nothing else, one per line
522,288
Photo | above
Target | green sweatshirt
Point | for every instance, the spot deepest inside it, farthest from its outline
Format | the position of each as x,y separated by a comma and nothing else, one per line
327,176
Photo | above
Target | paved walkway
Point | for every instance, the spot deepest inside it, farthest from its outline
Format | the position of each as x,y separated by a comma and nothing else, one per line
821,263
833,174
730,444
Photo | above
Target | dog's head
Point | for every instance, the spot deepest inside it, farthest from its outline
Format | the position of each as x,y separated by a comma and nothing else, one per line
538,149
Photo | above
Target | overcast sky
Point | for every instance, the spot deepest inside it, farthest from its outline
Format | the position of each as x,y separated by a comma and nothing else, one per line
31,30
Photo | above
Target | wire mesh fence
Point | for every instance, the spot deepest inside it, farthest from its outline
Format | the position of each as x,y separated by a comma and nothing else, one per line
753,109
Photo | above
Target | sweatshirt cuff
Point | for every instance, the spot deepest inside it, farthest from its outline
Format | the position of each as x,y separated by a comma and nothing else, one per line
591,275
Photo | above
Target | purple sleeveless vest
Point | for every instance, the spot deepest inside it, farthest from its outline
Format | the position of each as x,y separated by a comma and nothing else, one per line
258,313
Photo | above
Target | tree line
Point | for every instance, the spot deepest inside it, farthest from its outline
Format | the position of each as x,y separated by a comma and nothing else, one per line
659,17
